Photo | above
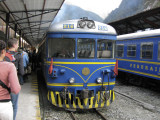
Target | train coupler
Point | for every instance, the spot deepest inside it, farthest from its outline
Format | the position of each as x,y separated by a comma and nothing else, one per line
85,93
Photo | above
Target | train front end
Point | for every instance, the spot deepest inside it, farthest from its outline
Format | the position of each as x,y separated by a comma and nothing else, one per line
80,65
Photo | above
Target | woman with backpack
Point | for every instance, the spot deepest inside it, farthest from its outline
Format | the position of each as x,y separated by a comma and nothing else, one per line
8,83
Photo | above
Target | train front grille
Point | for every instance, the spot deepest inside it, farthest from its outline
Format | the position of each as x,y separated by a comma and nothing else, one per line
102,99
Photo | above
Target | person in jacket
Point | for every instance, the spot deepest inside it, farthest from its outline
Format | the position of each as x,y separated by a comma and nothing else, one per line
13,47
8,76
25,63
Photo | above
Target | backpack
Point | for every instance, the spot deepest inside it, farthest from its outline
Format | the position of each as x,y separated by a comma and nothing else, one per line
10,57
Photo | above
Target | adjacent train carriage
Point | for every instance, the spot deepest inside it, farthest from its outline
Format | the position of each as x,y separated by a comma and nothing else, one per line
139,56
79,64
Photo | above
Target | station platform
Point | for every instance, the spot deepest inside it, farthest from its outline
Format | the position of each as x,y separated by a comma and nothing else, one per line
28,104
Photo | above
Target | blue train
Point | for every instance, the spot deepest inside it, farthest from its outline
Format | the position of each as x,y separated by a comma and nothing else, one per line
138,55
79,64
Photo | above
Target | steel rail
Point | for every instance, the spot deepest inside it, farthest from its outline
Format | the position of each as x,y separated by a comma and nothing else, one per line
141,103
100,114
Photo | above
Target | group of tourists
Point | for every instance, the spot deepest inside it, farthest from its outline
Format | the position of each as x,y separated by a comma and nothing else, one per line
13,64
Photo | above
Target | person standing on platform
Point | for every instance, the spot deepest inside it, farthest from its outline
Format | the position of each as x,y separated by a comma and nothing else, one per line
25,63
18,61
8,83
34,60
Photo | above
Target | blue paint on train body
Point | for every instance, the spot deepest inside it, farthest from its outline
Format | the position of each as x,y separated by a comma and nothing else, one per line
146,62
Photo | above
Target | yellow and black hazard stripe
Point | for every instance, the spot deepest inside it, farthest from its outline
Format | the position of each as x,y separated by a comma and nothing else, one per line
75,102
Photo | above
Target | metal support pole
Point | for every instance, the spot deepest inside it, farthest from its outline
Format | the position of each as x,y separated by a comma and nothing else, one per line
22,42
15,30
19,39
7,23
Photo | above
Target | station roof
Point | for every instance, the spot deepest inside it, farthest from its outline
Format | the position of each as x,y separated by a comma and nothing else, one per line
33,17
149,19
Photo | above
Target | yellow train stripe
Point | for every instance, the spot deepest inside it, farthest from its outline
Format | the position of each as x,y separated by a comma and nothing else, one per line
79,84
113,96
63,84
90,63
97,70
80,75
99,100
79,103
147,62
96,84
53,98
67,105
74,105
91,102
73,71
59,100
140,72
85,101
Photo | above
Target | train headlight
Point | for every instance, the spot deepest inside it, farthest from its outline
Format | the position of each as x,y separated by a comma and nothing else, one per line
82,23
90,24
99,80
71,80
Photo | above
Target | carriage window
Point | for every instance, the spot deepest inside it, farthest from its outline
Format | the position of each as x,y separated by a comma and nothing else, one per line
147,50
61,48
159,51
131,51
105,49
85,48
119,50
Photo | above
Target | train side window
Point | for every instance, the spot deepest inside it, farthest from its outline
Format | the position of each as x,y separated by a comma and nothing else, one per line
120,50
131,51
147,50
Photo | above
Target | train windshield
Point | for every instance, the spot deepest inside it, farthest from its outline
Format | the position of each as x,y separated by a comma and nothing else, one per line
105,48
61,48
85,48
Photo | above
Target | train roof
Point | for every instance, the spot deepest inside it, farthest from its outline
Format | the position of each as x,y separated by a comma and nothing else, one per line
142,34
73,27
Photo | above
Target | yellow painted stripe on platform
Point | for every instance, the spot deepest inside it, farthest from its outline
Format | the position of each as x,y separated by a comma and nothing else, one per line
34,86
90,63
148,62
140,73
35,90
35,83
38,118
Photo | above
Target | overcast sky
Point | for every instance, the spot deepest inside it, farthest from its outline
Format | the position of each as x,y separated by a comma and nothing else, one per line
96,9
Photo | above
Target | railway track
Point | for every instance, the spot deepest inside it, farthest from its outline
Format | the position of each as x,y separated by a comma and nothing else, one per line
141,103
72,114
